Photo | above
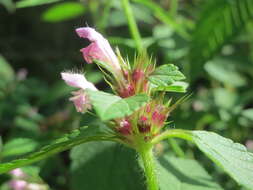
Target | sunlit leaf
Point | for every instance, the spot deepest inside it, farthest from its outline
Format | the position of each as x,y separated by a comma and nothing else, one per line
109,106
232,157
63,11
166,75
31,3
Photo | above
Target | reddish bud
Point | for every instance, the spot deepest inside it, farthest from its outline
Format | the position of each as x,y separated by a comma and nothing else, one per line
143,118
138,74
128,91
148,108
158,118
125,127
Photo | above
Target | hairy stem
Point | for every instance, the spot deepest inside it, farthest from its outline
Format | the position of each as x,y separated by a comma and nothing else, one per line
132,24
147,159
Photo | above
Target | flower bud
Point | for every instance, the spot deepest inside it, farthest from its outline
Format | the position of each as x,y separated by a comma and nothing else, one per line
125,127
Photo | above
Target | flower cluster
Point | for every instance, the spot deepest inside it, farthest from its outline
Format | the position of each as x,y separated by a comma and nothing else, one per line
20,181
126,80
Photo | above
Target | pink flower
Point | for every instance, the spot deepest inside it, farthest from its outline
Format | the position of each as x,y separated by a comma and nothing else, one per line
18,184
18,173
80,98
99,49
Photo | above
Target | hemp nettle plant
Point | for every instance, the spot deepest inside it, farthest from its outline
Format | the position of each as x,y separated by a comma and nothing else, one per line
137,114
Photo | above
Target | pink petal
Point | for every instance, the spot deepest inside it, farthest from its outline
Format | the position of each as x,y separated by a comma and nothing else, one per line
77,80
18,184
99,48
81,101
17,173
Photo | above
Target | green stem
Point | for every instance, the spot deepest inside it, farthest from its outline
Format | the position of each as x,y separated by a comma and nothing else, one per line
179,133
147,158
177,149
132,24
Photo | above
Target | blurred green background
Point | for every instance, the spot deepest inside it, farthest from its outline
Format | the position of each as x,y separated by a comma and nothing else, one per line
210,40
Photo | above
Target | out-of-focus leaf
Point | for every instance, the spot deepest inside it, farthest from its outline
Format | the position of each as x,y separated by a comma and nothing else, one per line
1,146
31,3
232,157
130,42
18,147
6,72
26,124
163,15
109,106
141,14
221,70
220,20
63,11
57,91
104,165
94,77
224,98
183,174
166,75
9,5
248,113
68,141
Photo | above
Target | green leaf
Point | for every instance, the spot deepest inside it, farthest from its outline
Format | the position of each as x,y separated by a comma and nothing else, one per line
183,174
104,165
9,5
109,106
6,72
63,11
220,21
174,87
232,157
223,71
70,140
31,3
19,146
248,113
166,78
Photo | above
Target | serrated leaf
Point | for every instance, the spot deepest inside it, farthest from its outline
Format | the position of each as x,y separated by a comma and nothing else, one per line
232,157
70,140
109,106
183,174
104,165
166,75
18,147
63,11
